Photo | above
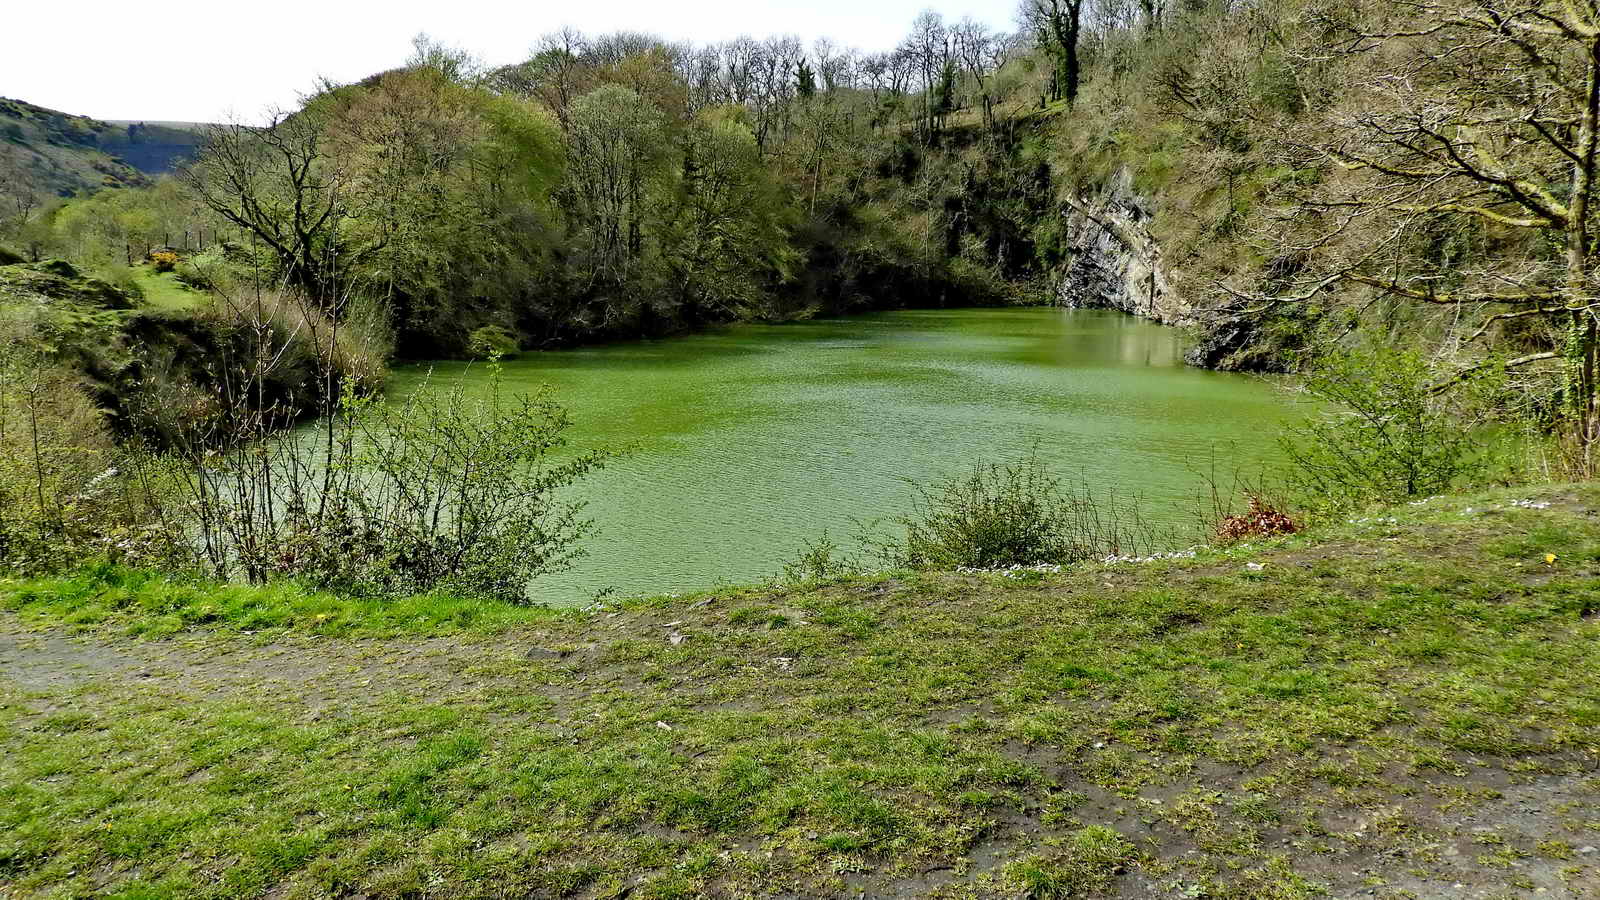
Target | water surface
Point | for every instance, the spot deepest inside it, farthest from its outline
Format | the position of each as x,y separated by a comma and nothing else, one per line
750,440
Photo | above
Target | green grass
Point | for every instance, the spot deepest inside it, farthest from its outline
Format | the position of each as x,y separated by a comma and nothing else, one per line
152,604
1362,713
163,291
1088,860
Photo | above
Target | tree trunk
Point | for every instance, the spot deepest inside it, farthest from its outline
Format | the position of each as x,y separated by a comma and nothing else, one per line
1583,339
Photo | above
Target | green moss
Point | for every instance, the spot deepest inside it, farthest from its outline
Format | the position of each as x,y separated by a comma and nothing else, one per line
58,280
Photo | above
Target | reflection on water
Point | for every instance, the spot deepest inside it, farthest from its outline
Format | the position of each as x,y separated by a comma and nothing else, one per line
748,441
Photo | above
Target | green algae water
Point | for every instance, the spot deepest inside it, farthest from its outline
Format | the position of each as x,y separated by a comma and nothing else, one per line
746,442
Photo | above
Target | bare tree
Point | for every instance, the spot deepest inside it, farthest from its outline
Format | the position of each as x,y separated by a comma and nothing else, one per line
555,75
836,66
279,185
887,77
928,47
1482,116
773,68
738,70
702,73
974,45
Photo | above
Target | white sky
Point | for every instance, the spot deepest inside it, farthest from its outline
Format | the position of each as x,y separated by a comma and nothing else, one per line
185,60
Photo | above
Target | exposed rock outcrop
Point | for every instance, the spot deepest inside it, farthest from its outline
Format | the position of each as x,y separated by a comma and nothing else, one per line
1226,344
1113,261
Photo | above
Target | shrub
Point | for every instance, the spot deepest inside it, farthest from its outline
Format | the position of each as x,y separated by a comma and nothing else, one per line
163,260
1018,514
63,495
493,342
818,560
210,270
449,490
115,274
307,339
458,490
1387,434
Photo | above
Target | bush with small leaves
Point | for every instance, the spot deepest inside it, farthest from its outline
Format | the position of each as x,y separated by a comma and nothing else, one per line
493,342
1387,433
1000,515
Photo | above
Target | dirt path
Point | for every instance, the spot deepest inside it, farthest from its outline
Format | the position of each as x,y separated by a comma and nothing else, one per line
311,673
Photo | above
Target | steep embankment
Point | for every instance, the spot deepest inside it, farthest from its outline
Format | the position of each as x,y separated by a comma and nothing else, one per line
1405,705
1113,261
157,341
106,335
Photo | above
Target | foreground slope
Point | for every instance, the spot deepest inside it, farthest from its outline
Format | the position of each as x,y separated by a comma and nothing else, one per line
1407,705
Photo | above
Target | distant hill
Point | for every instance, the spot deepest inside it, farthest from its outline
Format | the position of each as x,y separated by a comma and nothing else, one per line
154,147
50,152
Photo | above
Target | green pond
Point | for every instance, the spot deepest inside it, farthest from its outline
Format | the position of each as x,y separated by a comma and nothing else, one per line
746,442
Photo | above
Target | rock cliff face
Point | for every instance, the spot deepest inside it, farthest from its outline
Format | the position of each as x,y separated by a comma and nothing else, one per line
1113,261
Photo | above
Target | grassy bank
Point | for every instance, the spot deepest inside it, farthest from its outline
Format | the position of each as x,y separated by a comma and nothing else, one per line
1405,705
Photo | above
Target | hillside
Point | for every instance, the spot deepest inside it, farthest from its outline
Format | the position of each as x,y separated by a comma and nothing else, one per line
111,337
59,154
153,147
1269,174
1403,705
55,153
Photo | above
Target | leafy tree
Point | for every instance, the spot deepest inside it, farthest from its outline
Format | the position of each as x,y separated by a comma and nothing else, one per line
805,81
727,243
944,93
446,192
615,153
1058,26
